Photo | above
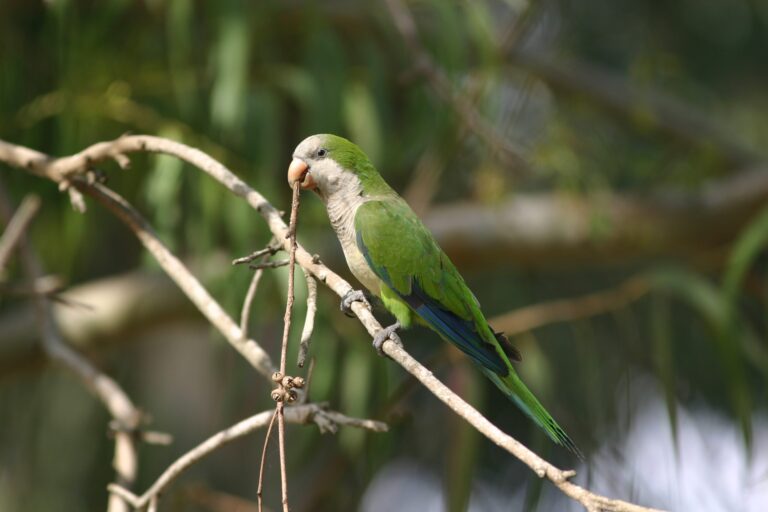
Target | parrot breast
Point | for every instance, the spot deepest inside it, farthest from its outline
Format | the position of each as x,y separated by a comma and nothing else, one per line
342,206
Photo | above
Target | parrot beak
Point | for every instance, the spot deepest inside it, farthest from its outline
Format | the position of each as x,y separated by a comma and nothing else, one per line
299,171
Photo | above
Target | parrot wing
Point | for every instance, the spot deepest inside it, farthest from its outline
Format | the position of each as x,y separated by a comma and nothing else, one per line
404,255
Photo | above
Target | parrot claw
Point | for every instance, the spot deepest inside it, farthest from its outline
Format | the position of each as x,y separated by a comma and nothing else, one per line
352,296
387,333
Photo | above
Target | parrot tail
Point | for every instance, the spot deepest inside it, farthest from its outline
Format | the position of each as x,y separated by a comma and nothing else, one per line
513,387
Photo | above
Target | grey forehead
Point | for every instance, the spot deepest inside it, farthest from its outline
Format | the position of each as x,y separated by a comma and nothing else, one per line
308,146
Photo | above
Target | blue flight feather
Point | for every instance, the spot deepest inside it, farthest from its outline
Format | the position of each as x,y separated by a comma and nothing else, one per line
461,332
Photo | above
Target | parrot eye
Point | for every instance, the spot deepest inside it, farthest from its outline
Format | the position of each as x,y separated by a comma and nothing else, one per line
322,152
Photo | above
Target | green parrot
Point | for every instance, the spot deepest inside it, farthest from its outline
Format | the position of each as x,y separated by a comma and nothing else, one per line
395,257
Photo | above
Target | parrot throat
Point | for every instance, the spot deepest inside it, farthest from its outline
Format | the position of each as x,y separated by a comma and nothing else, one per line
342,204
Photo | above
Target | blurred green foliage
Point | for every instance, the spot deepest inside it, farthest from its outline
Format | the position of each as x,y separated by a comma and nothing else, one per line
245,82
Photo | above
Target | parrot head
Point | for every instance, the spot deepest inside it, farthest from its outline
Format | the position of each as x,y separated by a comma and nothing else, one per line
328,164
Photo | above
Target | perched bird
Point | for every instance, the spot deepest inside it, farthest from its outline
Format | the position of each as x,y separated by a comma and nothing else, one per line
395,257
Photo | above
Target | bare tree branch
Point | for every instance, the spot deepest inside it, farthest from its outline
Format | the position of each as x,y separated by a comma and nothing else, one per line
528,318
267,437
11,154
300,414
16,228
280,411
550,229
216,501
248,301
107,390
259,265
271,249
309,319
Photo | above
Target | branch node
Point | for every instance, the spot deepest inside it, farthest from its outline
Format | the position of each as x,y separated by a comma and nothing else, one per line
122,161
309,320
125,494
154,437
75,197
270,250
269,264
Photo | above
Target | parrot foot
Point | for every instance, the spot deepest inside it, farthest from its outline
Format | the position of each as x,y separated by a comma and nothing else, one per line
352,296
387,333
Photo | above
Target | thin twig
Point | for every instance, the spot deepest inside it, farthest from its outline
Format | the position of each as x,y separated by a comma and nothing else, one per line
199,495
16,228
531,317
155,437
270,250
265,253
281,447
291,263
310,373
248,302
309,320
299,414
260,488
340,419
49,286
295,200
269,264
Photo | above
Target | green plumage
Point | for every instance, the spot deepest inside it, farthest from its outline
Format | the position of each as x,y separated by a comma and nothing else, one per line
404,254
414,277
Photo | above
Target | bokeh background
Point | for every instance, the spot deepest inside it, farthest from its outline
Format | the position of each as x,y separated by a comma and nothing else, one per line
596,169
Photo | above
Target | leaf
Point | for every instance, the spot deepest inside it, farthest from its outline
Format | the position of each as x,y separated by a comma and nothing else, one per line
480,29
162,189
708,300
362,119
230,57
664,358
747,248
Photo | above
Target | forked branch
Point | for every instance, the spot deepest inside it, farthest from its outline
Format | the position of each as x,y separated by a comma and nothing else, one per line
126,416
299,414
66,167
